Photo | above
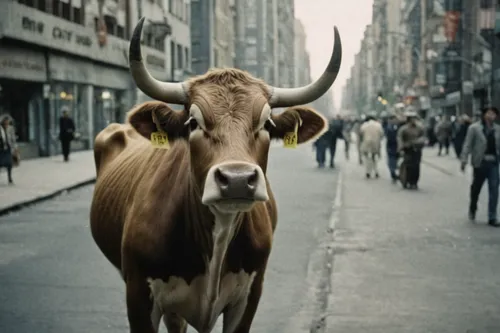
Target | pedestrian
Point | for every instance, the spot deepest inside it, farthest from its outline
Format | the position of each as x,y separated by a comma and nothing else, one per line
335,126
8,146
372,134
391,134
443,134
320,145
482,143
411,141
346,135
462,126
66,132
357,125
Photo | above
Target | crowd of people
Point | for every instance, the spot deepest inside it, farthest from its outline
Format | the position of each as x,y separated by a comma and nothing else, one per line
406,135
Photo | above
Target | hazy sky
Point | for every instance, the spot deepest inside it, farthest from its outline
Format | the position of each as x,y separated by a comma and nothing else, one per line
318,18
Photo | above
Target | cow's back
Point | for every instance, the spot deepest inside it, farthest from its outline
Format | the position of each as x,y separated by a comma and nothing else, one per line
125,164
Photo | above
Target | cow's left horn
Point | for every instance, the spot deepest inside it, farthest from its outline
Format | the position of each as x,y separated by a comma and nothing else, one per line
162,91
282,97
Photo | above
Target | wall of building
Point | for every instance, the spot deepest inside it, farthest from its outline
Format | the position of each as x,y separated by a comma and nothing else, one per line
73,61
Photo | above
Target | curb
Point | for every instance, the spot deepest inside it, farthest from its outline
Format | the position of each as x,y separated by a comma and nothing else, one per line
44,197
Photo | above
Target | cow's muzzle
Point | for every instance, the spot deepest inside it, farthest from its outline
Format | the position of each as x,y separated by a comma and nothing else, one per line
234,184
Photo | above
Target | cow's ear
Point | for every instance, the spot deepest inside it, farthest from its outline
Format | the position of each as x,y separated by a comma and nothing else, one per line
150,117
311,124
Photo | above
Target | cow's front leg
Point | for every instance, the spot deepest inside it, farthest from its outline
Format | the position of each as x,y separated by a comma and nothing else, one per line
140,306
233,321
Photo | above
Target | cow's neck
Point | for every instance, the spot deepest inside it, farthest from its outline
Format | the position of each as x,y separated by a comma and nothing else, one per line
212,230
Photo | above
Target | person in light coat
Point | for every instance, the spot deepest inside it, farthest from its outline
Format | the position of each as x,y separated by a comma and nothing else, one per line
371,133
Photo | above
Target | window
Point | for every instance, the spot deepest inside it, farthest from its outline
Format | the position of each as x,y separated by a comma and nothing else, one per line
66,9
180,56
186,58
172,59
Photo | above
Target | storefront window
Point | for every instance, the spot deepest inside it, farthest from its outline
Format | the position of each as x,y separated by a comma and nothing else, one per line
104,108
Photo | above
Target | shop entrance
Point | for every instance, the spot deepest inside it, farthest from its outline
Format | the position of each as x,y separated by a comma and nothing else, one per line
24,102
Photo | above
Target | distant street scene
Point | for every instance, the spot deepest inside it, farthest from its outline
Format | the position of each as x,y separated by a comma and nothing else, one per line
243,166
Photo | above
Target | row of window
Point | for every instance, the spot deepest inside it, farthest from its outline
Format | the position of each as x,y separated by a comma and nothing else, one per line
179,57
59,8
180,9
73,12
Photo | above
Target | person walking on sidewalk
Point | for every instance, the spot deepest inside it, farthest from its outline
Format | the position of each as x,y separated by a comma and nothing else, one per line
346,135
391,134
66,132
443,134
320,145
411,141
462,126
8,145
371,133
482,143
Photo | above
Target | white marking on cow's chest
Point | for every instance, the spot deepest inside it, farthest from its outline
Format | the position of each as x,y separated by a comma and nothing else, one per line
202,301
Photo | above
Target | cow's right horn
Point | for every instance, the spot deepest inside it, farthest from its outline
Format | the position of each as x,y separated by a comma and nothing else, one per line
163,91
283,97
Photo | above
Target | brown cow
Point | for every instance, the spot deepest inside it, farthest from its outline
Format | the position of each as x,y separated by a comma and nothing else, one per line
190,228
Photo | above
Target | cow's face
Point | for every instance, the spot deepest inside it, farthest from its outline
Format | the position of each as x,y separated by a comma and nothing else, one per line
228,129
227,124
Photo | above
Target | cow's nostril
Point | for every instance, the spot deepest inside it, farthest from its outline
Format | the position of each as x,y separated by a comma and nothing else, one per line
252,180
221,179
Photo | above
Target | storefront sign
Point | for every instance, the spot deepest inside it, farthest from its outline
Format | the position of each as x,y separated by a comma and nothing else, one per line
67,69
21,64
33,26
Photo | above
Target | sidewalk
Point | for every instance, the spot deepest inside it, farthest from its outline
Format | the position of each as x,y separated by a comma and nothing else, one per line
410,261
36,179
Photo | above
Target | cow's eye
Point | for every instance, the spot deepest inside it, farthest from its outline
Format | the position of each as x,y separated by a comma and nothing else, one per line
193,124
268,125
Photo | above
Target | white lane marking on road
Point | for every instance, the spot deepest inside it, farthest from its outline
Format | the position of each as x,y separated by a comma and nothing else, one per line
312,312
337,204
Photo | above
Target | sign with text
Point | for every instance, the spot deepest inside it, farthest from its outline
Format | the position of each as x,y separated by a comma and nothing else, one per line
22,64
30,25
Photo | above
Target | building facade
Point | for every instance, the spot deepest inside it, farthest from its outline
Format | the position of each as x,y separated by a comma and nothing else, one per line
175,65
212,36
60,53
256,39
302,68
285,51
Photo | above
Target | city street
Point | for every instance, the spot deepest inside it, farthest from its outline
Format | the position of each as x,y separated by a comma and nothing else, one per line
54,279
410,261
403,261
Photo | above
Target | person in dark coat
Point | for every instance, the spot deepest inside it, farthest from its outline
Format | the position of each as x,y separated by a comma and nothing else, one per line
391,134
336,127
8,145
66,133
321,144
460,134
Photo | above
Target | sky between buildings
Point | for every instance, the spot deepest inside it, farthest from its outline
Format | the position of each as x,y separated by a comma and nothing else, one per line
318,18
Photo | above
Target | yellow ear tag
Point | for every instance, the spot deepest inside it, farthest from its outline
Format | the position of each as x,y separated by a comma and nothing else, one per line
290,139
160,140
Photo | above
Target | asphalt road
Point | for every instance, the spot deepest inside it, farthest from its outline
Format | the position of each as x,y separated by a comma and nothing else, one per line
54,279
410,261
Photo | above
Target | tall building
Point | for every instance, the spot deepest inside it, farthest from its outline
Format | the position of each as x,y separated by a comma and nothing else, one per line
176,15
256,38
212,34
74,53
286,23
302,69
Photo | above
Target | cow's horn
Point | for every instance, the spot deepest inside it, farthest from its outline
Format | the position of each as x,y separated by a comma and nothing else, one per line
282,97
163,91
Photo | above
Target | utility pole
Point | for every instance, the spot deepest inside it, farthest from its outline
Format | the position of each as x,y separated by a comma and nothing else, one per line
468,7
